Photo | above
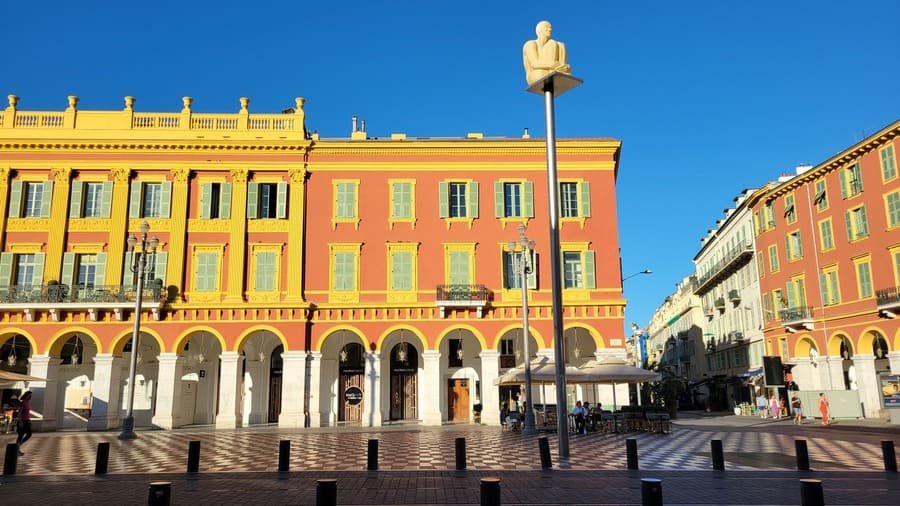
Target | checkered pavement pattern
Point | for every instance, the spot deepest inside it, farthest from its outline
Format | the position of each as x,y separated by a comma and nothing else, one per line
433,448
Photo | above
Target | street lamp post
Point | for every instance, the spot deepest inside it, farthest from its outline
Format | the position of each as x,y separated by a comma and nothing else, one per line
523,266
141,268
645,271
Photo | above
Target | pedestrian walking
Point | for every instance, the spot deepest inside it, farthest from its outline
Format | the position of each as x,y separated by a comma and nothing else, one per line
761,405
23,426
773,406
796,409
824,408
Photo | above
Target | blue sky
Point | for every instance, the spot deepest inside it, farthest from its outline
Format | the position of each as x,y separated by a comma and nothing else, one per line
708,97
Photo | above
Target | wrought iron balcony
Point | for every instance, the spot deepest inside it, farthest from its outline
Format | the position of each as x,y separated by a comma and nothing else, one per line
888,301
797,318
734,296
448,296
55,298
733,260
720,303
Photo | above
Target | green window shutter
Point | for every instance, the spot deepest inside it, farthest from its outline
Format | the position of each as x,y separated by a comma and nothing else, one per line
499,210
281,203
252,200
799,245
165,199
788,252
207,265
75,201
344,275
100,275
857,174
472,190
106,199
6,261
888,165
15,200
532,276
893,205
127,275
862,225
402,197
68,269
401,269
842,177
584,199
265,272
504,267
225,201
827,236
46,199
443,199
848,221
205,194
590,279
865,279
791,294
459,268
835,288
345,200
823,288
134,200
159,271
528,199
38,278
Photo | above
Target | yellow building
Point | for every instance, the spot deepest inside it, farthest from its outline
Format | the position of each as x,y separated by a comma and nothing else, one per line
296,280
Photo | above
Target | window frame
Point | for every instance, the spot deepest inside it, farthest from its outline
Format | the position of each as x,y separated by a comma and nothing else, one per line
774,262
793,246
582,198
830,246
400,295
892,219
861,291
213,293
888,165
394,218
821,203
254,292
345,202
344,295
830,285
856,218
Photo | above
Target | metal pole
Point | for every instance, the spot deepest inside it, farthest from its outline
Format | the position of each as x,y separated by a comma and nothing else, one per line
523,264
555,280
128,421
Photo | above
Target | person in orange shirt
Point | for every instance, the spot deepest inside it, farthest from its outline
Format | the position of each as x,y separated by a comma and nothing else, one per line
823,407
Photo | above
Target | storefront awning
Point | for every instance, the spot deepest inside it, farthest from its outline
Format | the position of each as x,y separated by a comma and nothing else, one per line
751,373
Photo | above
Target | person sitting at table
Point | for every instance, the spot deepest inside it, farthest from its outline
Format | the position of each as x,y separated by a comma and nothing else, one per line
579,413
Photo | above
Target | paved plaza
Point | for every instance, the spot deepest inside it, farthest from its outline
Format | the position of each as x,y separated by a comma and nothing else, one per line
416,465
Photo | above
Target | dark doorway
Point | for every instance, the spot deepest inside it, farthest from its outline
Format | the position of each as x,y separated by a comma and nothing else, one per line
404,369
352,372
275,372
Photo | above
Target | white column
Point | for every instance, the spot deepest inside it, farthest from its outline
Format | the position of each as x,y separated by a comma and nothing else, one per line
894,361
869,387
490,393
315,393
106,392
229,391
833,371
372,391
292,385
431,389
168,391
45,396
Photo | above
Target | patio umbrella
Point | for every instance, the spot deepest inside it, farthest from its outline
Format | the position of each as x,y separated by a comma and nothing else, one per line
8,378
612,371
543,371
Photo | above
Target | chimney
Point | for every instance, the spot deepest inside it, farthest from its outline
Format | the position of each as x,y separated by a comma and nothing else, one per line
363,126
353,124
525,134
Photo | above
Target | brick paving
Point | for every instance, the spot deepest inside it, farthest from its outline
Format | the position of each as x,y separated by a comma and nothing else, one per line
416,466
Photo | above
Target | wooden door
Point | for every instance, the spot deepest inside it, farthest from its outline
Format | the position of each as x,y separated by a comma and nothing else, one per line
403,396
458,400
351,398
274,397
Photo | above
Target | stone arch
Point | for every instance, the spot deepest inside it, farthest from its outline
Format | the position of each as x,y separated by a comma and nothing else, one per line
119,342
55,344
448,330
834,344
867,340
239,343
896,343
8,332
599,342
804,345
387,332
328,334
535,334
184,337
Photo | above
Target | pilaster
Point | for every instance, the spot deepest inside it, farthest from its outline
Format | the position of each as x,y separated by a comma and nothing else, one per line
869,386
431,388
230,381
106,392
834,373
237,242
4,203
59,211
118,226
292,387
372,404
296,213
490,393
315,386
168,391
45,399
178,232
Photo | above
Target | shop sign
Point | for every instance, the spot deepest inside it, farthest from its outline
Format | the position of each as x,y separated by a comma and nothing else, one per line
353,396
890,390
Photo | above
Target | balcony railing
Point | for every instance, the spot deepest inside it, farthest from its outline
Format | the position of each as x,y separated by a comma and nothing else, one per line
56,297
720,303
888,300
797,318
476,296
734,296
734,258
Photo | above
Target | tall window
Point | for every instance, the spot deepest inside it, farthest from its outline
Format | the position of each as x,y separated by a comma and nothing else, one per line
512,199
892,206
265,271
574,199
30,199
796,292
769,215
215,200
888,163
851,181
267,200
401,200
151,200
578,269
512,273
34,198
21,269
93,200
26,269
794,246
460,268
458,206
207,272
344,271
857,223
402,271
864,278
345,200
773,258
828,284
826,235
87,271
790,214
458,199
821,200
